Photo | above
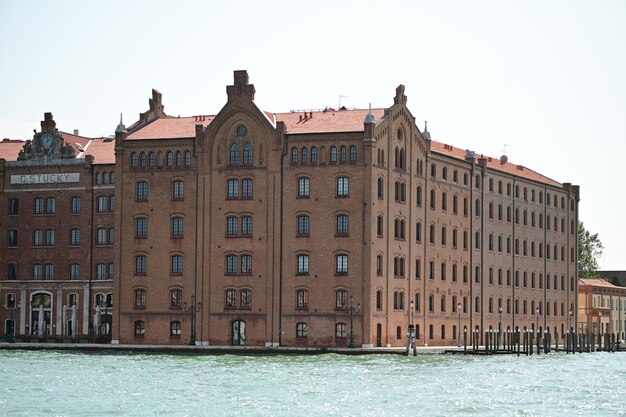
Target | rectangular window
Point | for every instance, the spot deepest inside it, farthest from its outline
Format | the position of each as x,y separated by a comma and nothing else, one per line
233,189
341,264
177,226
141,264
48,272
231,264
245,298
38,238
176,298
102,204
75,272
142,191
38,205
303,225
112,203
101,236
178,190
12,238
232,226
75,237
231,299
303,264
51,205
141,227
246,226
302,299
177,265
342,225
246,188
342,187
140,298
75,206
246,264
303,188
49,237
37,272
101,271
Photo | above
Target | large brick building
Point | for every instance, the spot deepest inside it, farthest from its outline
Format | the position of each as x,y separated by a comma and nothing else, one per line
57,226
250,227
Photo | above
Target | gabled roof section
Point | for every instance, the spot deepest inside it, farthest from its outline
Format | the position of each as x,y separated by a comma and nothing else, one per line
171,128
102,150
75,141
327,121
494,164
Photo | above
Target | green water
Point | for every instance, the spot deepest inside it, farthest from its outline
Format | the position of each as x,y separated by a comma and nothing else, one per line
76,384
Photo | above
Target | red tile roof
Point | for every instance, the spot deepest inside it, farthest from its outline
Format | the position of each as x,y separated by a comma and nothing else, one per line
171,128
494,163
597,282
10,149
328,121
102,150
323,121
74,140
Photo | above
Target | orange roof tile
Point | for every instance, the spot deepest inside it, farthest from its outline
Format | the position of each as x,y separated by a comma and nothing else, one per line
10,149
494,163
73,140
102,150
597,282
328,121
171,128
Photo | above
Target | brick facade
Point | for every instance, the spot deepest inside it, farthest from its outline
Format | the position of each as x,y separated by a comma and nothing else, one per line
281,230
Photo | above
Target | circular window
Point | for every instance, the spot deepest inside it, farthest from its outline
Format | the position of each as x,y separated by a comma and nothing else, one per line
241,131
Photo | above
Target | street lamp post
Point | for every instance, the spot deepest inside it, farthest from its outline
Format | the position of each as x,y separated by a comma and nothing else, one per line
499,324
193,309
537,321
11,306
458,341
409,340
353,310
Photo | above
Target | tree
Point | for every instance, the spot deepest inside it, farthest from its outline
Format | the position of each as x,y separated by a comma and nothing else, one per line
589,250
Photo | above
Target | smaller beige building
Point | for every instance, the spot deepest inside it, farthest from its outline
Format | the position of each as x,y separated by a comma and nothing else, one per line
601,305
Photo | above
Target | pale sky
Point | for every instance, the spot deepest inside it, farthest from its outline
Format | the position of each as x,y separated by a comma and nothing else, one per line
547,78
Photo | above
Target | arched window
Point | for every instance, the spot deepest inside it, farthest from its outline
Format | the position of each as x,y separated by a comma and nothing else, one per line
342,154
179,158
169,158
187,158
352,153
247,154
142,159
133,160
234,154
314,155
305,156
333,154
294,156
151,159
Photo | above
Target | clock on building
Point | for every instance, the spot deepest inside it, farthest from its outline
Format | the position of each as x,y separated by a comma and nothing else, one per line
47,140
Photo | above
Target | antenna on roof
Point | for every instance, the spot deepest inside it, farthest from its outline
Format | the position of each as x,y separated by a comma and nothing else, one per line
504,159
340,97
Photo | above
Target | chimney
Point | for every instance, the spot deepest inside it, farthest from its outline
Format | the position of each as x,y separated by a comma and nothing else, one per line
76,132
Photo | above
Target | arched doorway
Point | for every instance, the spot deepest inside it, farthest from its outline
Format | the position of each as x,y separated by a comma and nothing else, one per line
238,333
41,314
379,335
